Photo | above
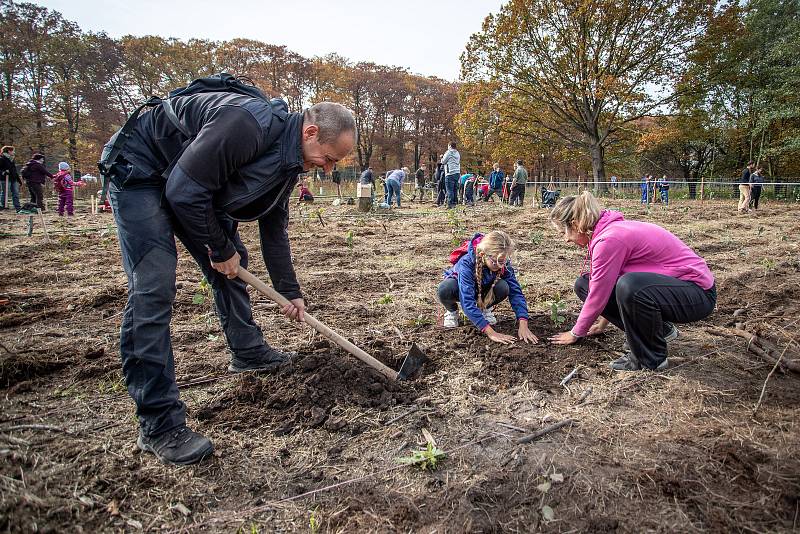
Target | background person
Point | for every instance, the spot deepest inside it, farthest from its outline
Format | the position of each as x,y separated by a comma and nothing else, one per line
518,184
8,170
642,279
744,188
452,171
394,184
36,175
756,181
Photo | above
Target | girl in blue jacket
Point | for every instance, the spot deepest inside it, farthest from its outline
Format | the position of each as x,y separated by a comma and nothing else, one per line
481,277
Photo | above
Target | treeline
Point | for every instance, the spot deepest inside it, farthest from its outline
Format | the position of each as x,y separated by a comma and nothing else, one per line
63,91
689,88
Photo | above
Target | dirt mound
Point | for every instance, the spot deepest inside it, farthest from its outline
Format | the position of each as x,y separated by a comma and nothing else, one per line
19,367
315,390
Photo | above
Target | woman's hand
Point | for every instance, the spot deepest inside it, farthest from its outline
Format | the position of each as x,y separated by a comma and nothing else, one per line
525,334
598,327
564,338
505,339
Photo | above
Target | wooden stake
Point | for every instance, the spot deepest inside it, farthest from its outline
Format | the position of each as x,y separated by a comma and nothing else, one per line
91,204
44,225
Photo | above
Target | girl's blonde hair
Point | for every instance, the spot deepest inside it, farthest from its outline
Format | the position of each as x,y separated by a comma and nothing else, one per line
494,243
579,212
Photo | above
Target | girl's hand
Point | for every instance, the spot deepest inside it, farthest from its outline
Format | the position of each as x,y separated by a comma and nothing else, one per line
525,334
598,327
505,339
564,338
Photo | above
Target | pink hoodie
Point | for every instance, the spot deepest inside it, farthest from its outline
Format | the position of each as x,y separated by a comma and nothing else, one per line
618,247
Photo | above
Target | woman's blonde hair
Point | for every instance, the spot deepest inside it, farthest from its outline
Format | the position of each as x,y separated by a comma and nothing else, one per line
494,243
579,212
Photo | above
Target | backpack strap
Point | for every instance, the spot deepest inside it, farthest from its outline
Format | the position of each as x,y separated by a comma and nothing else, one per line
121,139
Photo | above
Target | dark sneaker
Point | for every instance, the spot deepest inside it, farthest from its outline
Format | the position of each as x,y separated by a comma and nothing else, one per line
629,362
671,333
179,446
269,361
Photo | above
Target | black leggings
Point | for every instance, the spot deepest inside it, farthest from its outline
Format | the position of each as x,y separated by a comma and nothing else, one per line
641,302
449,295
755,194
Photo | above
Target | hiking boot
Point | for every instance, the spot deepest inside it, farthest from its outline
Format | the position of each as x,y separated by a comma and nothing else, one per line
671,333
490,317
179,446
629,362
269,361
450,319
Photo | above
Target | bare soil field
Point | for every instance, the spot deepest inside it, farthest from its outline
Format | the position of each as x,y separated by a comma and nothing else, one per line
313,447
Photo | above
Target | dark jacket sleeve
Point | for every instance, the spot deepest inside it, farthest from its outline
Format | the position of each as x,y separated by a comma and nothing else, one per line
194,210
226,141
275,248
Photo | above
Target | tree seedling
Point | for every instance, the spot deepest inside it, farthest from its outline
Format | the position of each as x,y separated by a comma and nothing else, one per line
203,289
349,239
557,307
769,264
426,459
386,299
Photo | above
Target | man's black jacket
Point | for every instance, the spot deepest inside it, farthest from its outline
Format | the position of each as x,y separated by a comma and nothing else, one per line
240,159
7,167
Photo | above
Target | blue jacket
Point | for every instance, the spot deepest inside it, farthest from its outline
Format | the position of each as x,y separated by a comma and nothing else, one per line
464,272
496,179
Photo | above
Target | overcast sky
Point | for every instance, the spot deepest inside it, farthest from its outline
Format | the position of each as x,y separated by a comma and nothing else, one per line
425,36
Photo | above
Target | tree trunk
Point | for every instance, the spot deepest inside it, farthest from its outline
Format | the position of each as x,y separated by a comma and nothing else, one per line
599,167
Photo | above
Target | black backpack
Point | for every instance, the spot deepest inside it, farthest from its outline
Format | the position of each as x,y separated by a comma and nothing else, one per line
25,171
222,82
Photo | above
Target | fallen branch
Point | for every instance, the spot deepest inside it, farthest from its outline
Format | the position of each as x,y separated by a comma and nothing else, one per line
755,347
546,430
764,387
584,395
37,427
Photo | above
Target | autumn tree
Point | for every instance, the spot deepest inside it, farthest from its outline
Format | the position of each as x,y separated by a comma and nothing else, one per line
593,65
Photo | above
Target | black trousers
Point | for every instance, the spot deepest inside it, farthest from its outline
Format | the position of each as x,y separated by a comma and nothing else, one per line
641,302
755,194
517,195
449,295
37,194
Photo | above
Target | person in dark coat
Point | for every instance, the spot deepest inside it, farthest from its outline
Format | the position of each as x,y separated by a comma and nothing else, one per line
10,176
217,159
36,175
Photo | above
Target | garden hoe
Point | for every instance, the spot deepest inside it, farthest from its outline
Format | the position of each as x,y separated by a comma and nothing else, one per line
413,362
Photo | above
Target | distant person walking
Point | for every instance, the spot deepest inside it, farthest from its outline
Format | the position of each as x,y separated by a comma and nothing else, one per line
336,177
518,184
441,187
419,183
452,172
663,189
744,188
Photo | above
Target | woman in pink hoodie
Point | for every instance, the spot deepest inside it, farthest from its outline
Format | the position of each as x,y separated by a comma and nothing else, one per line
642,279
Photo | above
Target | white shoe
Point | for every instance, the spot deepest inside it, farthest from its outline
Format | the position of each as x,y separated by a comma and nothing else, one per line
450,319
489,315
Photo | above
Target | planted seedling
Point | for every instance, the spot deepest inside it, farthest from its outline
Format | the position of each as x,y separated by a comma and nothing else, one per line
557,307
203,290
769,264
426,459
349,239
386,299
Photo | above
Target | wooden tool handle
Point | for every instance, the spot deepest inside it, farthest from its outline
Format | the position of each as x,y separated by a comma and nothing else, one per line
318,325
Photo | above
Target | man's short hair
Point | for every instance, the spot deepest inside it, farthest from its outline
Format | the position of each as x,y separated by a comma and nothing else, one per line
519,162
453,145
332,119
38,156
7,149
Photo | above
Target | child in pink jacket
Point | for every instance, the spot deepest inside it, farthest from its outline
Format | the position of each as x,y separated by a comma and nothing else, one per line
642,279
63,184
